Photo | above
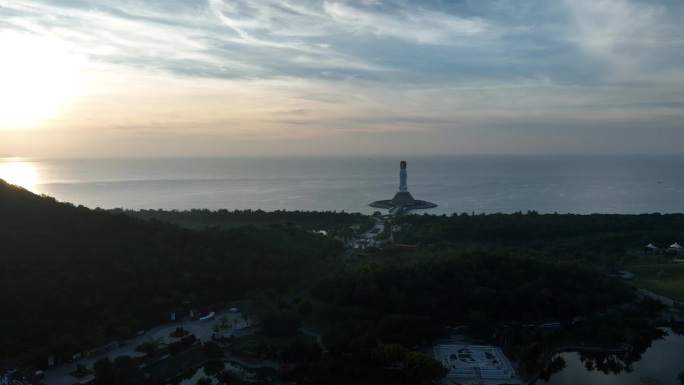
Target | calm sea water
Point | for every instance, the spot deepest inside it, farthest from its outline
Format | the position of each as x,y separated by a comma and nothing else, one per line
547,184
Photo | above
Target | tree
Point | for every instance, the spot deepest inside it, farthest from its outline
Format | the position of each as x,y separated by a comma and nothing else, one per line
350,336
680,377
212,349
556,364
246,315
65,345
184,344
305,352
224,321
127,371
423,368
390,354
226,377
203,381
407,330
105,373
305,308
149,347
479,325
528,355
279,324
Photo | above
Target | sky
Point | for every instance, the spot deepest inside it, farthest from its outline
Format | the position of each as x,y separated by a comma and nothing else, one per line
137,78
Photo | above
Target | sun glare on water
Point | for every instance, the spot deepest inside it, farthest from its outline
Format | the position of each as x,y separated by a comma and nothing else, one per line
19,173
37,79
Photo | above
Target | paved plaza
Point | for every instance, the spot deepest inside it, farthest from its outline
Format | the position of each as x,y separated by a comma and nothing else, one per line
474,362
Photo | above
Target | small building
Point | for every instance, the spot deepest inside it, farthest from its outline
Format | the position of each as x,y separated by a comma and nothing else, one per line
676,249
650,248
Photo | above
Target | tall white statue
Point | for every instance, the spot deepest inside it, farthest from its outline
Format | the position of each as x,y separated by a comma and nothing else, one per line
402,176
402,202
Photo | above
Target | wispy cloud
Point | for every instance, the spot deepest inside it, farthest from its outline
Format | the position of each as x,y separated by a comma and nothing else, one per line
629,38
414,24
434,69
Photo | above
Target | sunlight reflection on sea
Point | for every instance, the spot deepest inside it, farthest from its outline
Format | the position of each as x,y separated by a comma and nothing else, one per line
20,172
571,184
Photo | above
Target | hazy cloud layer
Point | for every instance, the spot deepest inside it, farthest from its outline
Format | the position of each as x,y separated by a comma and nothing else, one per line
325,76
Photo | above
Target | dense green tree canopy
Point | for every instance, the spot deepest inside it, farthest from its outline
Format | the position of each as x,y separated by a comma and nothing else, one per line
449,288
424,368
201,218
597,239
72,277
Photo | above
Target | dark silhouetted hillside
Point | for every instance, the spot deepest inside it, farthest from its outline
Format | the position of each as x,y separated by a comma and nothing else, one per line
71,277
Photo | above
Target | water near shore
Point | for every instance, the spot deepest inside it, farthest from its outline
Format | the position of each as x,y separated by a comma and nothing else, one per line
547,184
660,364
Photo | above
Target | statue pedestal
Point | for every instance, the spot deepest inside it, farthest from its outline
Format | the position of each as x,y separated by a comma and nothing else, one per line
403,198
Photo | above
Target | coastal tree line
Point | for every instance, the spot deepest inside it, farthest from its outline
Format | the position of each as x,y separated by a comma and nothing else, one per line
597,240
329,221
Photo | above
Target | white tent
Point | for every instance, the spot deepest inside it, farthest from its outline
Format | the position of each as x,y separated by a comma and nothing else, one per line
675,246
651,246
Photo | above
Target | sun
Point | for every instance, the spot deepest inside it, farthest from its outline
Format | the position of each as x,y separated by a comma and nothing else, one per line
37,79
19,173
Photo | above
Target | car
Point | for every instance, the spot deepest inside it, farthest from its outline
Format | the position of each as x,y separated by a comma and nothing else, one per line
233,310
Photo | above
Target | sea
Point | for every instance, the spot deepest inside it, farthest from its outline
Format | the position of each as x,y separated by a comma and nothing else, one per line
607,184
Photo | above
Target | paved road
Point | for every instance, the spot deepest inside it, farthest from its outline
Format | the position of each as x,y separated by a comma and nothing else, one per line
203,330
314,332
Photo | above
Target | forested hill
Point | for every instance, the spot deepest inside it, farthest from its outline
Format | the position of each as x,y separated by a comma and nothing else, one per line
71,277
330,221
598,239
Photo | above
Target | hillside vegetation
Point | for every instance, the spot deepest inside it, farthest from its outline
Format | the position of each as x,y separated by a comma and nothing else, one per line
598,240
72,277
329,221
